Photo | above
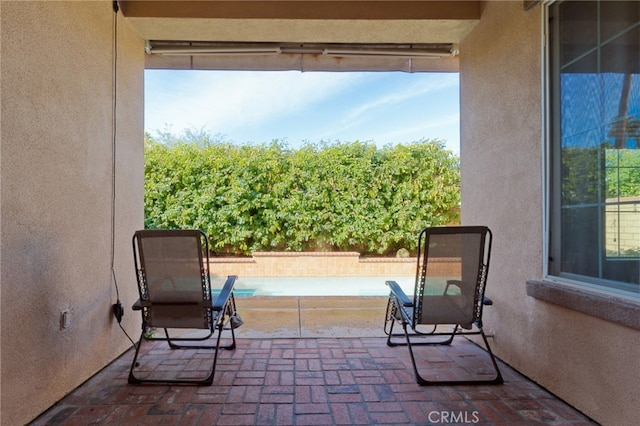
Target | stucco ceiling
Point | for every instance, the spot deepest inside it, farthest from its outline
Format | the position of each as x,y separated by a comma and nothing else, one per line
403,23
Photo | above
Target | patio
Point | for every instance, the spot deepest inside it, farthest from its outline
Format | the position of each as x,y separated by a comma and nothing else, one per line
311,371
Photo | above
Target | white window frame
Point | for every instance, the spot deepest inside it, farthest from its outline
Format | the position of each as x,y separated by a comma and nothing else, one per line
609,303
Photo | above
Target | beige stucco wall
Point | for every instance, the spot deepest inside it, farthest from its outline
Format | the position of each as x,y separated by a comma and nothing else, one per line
55,207
56,173
591,363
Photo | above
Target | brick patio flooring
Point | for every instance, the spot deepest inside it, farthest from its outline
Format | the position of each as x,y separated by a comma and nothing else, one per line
311,381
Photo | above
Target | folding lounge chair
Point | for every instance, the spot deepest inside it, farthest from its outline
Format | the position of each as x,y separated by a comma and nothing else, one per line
451,274
172,269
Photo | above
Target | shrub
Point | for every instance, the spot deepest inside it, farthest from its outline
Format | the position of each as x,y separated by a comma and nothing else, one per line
328,196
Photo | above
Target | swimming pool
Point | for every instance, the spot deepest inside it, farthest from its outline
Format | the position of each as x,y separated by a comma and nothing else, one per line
314,286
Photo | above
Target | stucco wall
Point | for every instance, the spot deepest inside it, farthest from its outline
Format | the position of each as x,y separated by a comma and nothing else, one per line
56,174
591,363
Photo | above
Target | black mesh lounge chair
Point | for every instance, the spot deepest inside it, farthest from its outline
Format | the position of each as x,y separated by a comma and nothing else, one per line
451,275
172,270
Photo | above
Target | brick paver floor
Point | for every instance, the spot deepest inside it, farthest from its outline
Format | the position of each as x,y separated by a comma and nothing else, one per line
311,381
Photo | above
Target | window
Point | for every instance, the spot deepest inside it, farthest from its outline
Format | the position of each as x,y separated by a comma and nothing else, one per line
594,185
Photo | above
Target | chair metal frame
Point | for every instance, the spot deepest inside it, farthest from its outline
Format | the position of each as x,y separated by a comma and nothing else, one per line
401,309
216,313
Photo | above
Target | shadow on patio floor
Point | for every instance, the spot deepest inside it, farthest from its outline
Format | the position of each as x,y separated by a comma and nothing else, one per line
324,379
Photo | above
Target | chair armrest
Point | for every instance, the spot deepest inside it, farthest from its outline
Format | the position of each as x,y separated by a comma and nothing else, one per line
397,291
225,293
457,283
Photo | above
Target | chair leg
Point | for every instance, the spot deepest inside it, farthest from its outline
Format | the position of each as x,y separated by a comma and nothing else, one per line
207,381
443,342
132,378
171,342
497,380
389,334
230,310
389,316
393,316
419,379
390,321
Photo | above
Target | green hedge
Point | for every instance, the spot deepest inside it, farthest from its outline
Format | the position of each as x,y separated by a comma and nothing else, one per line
326,197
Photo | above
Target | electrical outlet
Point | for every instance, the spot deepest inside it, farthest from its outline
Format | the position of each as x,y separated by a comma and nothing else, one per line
490,333
65,319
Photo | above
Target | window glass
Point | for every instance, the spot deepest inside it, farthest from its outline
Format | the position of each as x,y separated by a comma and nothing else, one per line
578,34
595,157
616,17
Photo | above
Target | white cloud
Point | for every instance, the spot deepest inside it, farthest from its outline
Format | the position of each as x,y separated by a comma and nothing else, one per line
409,92
294,106
223,101
364,115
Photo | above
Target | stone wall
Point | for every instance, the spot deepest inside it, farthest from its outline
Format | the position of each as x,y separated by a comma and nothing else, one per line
306,264
622,230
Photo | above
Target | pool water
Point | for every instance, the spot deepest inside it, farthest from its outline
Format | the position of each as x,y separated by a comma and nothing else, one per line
315,286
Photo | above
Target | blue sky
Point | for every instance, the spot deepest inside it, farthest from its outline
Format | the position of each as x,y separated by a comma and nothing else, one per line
259,106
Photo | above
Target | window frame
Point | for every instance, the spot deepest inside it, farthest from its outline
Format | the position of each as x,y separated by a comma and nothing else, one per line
608,303
552,173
